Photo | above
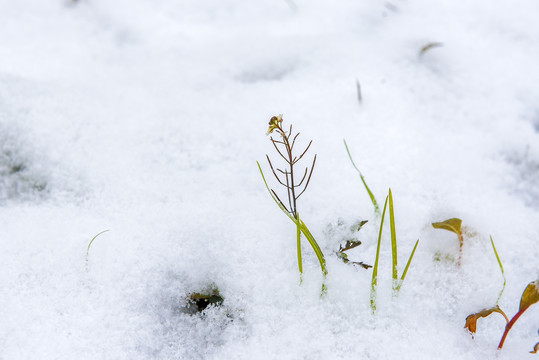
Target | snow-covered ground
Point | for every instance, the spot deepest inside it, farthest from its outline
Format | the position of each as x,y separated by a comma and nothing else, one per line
147,118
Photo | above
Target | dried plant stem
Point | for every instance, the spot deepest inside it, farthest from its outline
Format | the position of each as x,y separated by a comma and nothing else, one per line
461,244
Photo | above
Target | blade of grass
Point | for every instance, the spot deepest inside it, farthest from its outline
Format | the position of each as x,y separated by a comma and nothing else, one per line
318,252
501,269
407,266
91,241
395,274
90,244
375,267
371,195
300,262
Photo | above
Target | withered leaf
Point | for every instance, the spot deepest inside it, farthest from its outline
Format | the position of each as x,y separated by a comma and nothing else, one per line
535,349
429,46
530,295
350,244
453,225
361,263
359,225
471,320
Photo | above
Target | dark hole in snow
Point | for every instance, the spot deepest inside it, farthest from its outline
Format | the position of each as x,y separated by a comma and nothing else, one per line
19,178
198,302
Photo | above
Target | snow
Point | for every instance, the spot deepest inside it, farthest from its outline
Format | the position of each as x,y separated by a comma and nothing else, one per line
147,119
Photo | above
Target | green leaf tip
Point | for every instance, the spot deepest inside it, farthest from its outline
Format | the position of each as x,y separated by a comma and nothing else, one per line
91,241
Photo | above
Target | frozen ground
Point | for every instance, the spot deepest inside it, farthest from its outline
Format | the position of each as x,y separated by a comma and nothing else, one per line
147,118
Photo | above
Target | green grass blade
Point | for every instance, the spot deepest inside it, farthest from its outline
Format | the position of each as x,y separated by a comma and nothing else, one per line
501,269
394,254
300,262
375,267
407,266
91,241
90,244
371,195
314,245
318,252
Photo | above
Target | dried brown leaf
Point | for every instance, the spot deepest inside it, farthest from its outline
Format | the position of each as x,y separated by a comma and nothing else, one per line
429,46
535,349
471,320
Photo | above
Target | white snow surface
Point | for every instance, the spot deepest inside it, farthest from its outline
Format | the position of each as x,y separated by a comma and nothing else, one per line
147,118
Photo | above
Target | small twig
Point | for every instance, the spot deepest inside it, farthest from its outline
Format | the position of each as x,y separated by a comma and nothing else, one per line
294,141
274,173
307,148
309,179
277,196
279,151
303,178
290,197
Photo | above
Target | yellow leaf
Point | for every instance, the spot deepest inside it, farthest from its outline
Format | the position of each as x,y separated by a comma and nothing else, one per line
530,295
452,225
535,349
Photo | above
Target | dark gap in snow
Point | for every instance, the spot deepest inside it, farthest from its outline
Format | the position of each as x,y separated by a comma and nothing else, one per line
19,178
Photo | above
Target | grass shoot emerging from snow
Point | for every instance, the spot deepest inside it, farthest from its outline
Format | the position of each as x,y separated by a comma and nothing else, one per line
90,244
454,225
397,283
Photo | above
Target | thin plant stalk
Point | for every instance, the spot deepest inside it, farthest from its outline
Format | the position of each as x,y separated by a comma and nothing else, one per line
501,269
371,195
90,244
395,273
509,326
375,267
298,233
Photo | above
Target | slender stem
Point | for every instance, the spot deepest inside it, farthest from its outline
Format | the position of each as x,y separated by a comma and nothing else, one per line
461,243
501,269
375,268
298,234
371,195
510,325
394,255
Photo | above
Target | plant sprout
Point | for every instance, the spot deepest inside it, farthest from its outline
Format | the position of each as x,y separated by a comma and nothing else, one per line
397,283
454,225
284,145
